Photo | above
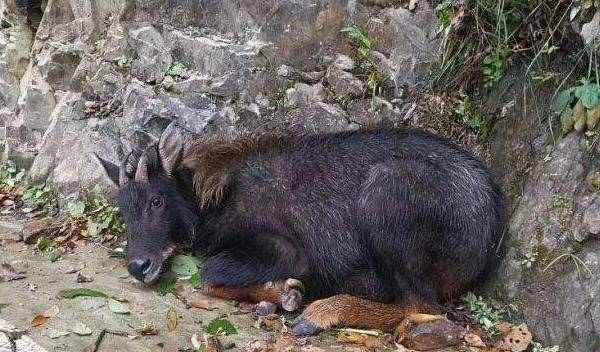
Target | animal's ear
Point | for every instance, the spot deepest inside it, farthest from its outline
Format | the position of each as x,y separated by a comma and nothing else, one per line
171,146
110,170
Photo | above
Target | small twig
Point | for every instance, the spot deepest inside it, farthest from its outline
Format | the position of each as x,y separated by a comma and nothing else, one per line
182,300
360,331
95,347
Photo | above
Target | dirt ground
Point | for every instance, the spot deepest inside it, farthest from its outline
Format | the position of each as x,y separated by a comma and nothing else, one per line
38,292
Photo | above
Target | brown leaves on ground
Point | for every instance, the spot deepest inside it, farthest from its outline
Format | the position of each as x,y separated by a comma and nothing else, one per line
433,336
147,329
42,318
272,322
172,320
362,338
201,304
9,273
8,199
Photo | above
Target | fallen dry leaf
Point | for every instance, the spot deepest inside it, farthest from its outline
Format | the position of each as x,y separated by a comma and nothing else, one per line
357,338
172,319
213,344
54,334
81,329
72,268
473,340
42,318
517,339
195,343
39,320
202,304
148,329
503,327
8,273
272,322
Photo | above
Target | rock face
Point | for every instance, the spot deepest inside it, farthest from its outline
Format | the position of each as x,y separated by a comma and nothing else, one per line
106,76
554,256
553,247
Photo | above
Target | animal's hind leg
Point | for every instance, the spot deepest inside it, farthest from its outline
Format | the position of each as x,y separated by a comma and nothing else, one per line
346,310
287,294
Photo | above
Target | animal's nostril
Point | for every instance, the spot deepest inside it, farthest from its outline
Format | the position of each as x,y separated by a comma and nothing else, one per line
138,268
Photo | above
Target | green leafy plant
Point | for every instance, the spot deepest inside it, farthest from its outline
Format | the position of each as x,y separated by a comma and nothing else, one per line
366,70
363,42
124,62
537,347
220,327
99,44
578,107
485,315
42,197
100,216
471,116
494,64
166,285
46,245
196,281
588,93
81,292
10,176
2,306
187,267
444,14
561,202
118,307
177,69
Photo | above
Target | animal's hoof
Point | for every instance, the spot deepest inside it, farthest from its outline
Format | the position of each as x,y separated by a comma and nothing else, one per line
303,327
291,284
291,300
292,296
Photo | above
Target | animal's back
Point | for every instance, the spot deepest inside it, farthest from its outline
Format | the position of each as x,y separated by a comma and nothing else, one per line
376,212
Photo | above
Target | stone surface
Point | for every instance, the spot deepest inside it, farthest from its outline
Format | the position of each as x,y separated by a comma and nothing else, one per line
15,340
343,62
110,276
553,252
590,31
408,43
10,231
433,336
302,95
153,56
344,84
113,52
34,230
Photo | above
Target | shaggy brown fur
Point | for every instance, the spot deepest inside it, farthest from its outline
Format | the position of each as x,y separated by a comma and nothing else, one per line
212,161
255,293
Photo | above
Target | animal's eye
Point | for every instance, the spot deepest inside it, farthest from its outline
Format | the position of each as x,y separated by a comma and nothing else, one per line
156,202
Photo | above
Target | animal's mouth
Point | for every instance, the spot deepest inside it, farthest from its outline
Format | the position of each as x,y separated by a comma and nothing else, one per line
153,271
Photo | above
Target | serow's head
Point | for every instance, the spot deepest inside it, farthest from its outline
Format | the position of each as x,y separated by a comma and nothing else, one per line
159,214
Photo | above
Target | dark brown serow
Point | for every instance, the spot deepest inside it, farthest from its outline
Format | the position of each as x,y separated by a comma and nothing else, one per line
379,225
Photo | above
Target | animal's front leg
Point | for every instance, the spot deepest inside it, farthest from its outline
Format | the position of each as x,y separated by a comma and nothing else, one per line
240,271
236,270
287,295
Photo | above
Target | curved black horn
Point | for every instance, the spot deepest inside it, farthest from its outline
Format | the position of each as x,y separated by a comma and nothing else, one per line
123,174
141,173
